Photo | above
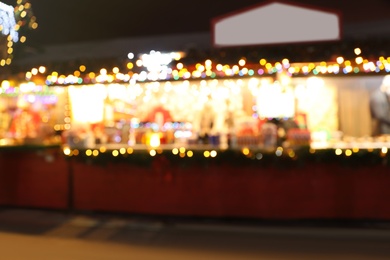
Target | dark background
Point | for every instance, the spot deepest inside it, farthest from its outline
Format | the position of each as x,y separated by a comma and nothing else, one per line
84,20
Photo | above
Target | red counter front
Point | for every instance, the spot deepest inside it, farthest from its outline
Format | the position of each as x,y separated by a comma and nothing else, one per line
208,187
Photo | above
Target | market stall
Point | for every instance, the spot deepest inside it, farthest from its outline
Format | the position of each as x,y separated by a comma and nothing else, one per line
284,138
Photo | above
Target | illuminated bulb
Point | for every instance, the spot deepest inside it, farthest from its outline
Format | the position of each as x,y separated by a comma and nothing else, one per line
359,60
245,151
179,66
154,140
115,70
357,51
42,69
67,151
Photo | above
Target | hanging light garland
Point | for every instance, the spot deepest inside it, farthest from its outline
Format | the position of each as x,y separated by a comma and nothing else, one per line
14,22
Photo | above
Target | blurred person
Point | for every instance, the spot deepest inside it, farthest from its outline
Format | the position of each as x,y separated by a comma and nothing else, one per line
380,108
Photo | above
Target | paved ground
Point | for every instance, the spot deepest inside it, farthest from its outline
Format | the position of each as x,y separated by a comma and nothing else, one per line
40,234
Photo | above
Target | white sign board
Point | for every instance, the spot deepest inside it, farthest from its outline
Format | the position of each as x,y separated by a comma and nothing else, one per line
275,22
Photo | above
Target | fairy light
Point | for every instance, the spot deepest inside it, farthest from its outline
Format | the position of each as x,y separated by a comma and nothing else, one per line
8,22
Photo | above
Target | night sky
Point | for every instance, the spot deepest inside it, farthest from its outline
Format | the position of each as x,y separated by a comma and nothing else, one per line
83,20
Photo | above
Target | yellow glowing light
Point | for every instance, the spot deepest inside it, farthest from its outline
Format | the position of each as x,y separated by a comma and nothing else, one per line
152,152
175,151
88,152
115,70
23,39
154,140
190,154
263,62
23,14
179,66
42,69
34,71
82,68
348,152
5,84
67,151
206,154
28,74
338,151
357,51
130,150
34,26
103,149
384,150
242,62
245,151
130,65
95,153
139,63
91,75
182,150
359,60
115,153
201,68
182,155
355,150
122,150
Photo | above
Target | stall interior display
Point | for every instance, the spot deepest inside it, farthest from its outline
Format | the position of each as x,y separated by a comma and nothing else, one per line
32,114
253,112
249,112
